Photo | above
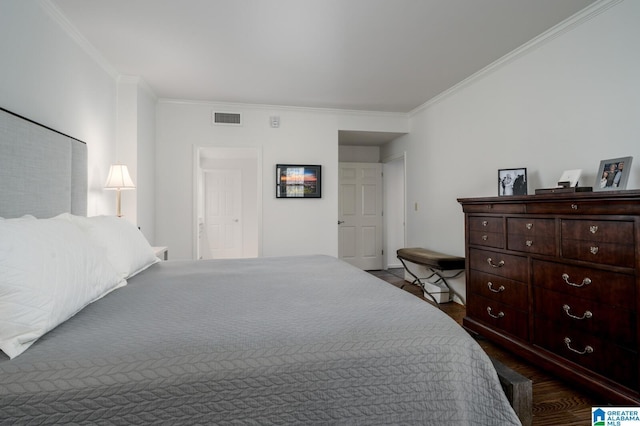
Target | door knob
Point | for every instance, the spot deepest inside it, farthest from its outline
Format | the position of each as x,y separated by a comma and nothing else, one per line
340,222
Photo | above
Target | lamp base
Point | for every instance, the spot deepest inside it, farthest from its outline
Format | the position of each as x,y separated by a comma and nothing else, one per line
118,203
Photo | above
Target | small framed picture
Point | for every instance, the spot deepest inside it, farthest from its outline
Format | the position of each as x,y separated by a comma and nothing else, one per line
572,177
512,181
613,174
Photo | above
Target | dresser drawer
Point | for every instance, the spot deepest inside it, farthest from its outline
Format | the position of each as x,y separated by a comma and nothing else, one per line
531,235
599,252
486,224
487,239
531,226
496,263
494,208
583,207
599,241
609,288
486,231
499,315
598,230
500,289
532,244
603,357
588,316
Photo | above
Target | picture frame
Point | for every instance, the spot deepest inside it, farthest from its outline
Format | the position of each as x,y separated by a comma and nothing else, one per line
512,181
298,181
613,174
572,177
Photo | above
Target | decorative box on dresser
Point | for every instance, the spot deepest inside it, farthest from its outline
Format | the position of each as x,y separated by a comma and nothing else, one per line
554,278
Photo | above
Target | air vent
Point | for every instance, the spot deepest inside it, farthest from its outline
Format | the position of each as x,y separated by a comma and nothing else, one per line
227,118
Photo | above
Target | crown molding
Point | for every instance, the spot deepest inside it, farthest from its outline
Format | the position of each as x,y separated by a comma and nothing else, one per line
54,12
563,27
235,106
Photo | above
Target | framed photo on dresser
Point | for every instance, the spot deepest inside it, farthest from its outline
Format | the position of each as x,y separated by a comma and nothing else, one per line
613,174
512,181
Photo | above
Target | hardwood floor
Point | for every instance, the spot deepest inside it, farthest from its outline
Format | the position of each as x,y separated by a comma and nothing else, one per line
554,402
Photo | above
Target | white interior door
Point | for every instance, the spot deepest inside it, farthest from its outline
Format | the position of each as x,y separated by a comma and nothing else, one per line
360,215
221,232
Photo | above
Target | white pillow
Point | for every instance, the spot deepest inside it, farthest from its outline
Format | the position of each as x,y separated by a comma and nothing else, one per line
49,270
126,248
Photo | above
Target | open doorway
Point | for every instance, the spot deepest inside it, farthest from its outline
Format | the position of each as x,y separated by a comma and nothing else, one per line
365,147
227,202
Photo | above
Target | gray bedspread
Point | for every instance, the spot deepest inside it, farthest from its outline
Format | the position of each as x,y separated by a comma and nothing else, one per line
297,340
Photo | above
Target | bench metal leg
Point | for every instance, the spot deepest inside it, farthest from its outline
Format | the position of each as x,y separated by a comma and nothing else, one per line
441,278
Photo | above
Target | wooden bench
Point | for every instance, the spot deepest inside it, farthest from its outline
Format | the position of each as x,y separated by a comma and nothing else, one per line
435,263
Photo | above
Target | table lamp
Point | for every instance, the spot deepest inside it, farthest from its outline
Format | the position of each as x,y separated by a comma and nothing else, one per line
119,179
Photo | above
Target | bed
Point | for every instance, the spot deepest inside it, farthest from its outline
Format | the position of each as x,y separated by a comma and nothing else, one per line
288,340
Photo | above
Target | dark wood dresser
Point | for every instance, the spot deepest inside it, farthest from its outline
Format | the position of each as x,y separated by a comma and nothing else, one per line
555,279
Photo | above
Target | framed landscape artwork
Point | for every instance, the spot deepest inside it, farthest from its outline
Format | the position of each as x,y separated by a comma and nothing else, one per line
298,181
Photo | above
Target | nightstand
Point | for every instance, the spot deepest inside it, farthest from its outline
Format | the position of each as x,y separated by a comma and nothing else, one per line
161,252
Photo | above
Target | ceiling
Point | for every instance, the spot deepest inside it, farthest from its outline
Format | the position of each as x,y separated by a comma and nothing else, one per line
373,55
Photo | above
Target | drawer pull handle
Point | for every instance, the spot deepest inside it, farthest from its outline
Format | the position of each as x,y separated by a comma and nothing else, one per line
529,243
593,229
593,249
574,207
500,314
586,315
586,281
500,289
485,223
587,349
529,225
494,265
485,237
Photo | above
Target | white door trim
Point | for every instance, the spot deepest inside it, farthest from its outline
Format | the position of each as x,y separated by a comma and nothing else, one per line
403,205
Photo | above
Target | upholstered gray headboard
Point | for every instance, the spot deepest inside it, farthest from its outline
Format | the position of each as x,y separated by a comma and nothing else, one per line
42,172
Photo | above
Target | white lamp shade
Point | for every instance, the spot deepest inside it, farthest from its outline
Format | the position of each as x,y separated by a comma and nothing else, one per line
119,178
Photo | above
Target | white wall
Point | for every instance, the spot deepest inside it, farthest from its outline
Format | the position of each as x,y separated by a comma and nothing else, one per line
358,154
146,164
135,147
46,76
127,141
289,227
565,104
394,209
